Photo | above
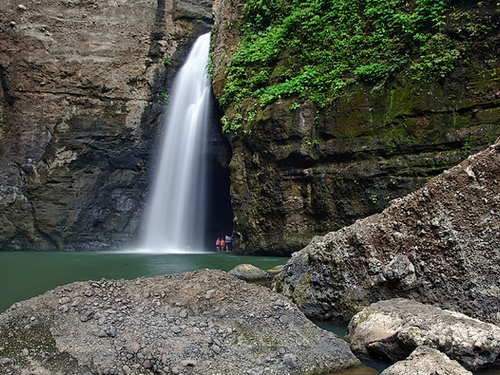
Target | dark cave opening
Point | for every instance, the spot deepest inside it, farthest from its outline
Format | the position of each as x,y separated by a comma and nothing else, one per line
219,212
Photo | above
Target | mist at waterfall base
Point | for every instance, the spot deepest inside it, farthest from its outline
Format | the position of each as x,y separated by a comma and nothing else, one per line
174,219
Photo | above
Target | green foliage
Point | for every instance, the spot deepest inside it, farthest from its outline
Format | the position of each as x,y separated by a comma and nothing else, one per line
164,95
313,49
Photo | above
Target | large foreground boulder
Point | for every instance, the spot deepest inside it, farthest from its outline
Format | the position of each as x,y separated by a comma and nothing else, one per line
203,322
393,329
426,361
438,245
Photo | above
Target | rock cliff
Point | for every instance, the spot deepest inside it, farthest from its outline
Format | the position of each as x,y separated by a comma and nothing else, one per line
82,88
299,170
438,245
83,84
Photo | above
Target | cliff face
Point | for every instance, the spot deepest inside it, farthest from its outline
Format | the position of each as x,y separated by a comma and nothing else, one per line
82,90
437,245
299,170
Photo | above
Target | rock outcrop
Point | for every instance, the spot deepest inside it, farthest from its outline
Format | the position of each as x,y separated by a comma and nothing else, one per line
426,361
395,328
250,273
203,322
82,91
438,245
300,172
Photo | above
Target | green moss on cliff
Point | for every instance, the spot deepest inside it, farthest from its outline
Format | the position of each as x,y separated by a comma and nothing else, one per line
320,49
315,48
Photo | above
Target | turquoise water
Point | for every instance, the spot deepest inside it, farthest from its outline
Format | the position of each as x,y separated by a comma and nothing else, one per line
27,274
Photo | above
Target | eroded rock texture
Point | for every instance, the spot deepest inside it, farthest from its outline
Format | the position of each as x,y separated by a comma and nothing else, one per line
426,361
82,90
306,171
393,329
438,245
203,322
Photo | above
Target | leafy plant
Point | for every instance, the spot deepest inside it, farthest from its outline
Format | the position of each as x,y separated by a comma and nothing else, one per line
314,49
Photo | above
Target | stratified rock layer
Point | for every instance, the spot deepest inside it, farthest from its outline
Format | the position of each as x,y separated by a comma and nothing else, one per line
393,329
203,322
438,245
299,170
81,96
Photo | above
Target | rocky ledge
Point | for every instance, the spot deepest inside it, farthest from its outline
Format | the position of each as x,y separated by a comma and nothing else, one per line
426,361
202,322
438,245
393,329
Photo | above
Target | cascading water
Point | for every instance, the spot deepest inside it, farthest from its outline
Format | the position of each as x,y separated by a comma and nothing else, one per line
175,217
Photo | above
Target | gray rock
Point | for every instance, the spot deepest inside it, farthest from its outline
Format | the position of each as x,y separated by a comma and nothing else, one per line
249,272
426,361
188,362
230,333
393,329
438,245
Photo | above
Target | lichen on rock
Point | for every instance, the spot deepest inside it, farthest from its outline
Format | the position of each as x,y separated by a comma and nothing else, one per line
437,245
201,322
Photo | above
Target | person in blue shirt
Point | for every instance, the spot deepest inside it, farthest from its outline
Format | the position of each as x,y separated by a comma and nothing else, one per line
229,243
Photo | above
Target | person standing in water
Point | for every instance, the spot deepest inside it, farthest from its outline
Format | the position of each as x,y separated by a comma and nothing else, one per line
217,244
229,242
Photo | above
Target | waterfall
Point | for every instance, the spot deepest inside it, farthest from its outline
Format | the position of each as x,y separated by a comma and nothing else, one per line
176,214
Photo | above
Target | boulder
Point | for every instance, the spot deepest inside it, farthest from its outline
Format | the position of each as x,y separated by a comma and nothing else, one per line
202,322
393,329
426,361
437,245
249,273
276,270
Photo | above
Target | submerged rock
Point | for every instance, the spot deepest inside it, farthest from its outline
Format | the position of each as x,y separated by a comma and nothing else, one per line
426,361
438,245
393,329
202,322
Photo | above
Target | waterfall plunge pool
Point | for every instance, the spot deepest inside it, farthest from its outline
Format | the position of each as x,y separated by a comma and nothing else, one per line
27,274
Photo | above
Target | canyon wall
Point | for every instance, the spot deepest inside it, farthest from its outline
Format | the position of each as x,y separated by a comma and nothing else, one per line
299,170
83,86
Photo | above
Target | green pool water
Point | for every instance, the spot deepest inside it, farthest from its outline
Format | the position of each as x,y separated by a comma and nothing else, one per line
27,274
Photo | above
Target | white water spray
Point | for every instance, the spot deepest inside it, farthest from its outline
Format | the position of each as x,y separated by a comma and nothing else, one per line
176,213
